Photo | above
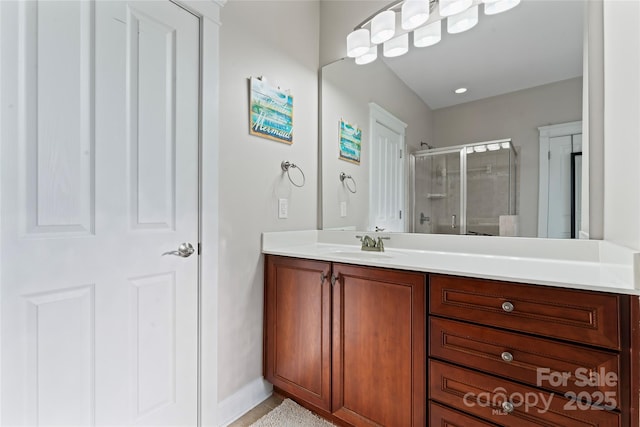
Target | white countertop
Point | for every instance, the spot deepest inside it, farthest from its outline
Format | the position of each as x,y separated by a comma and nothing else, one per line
579,264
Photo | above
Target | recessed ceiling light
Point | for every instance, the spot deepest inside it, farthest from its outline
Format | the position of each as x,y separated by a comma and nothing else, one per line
460,90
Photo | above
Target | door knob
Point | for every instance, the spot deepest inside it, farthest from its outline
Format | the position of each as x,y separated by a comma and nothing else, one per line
185,250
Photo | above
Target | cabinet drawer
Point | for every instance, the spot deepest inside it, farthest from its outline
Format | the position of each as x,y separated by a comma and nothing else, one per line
538,362
581,316
488,397
441,416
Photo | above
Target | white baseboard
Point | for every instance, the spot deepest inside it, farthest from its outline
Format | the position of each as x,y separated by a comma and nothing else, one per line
242,401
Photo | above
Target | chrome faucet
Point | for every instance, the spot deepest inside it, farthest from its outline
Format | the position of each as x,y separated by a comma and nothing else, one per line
369,244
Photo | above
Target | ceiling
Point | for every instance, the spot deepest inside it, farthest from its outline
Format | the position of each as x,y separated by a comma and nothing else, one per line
536,43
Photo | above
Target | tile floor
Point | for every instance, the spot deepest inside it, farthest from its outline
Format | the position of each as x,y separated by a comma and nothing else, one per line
258,412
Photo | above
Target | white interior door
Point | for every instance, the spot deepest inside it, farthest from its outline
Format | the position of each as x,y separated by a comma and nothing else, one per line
559,219
387,179
99,179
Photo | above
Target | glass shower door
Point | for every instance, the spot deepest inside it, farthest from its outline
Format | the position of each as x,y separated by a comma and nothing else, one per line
489,190
437,193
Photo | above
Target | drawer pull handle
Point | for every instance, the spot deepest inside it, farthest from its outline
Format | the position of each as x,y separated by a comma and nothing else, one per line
507,407
506,356
507,306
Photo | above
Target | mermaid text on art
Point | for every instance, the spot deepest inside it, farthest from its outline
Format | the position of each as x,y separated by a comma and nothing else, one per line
259,126
271,112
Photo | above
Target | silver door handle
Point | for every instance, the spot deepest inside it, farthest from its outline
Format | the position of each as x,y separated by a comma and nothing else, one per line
185,250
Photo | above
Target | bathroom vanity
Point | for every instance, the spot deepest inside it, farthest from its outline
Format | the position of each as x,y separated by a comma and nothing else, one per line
387,339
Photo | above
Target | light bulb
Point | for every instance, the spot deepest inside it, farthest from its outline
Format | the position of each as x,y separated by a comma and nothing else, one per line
368,57
358,43
414,13
396,47
480,148
383,26
453,7
499,6
427,35
462,21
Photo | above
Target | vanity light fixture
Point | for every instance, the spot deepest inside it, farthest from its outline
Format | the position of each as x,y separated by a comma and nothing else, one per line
396,46
460,90
462,21
358,43
453,7
490,146
492,7
423,17
368,57
414,13
383,26
428,35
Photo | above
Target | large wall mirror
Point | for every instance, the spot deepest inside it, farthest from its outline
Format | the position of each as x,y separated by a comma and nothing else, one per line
435,161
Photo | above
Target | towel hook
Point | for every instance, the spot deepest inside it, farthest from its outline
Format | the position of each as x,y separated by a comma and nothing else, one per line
286,166
343,177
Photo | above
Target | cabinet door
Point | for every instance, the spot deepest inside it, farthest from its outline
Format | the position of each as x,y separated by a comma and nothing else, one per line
297,328
378,347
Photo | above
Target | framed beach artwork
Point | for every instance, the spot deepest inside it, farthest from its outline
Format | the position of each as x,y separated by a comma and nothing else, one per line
270,111
350,142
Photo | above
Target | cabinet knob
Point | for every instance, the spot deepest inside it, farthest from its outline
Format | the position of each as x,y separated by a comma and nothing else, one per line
506,356
323,277
507,407
507,306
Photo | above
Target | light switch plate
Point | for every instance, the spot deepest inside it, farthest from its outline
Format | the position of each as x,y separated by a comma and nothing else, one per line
283,208
343,209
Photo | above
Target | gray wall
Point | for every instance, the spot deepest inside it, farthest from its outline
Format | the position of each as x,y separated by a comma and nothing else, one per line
516,115
278,40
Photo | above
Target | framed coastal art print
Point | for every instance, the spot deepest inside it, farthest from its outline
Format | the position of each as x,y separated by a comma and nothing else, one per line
270,111
350,142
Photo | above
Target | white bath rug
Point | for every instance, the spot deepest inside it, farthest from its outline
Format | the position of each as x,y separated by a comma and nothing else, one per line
290,414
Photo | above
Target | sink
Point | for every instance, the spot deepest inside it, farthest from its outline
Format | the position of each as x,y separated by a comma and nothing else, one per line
361,254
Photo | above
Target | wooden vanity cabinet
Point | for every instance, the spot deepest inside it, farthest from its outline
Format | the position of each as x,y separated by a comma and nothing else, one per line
498,350
378,369
297,344
348,340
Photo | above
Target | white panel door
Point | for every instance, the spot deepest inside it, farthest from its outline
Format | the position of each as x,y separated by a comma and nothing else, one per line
386,196
559,220
99,176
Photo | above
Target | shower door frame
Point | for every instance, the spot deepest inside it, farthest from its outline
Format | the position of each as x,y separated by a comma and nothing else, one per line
462,150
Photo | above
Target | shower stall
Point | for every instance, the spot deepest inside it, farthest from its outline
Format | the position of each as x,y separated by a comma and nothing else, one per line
466,189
